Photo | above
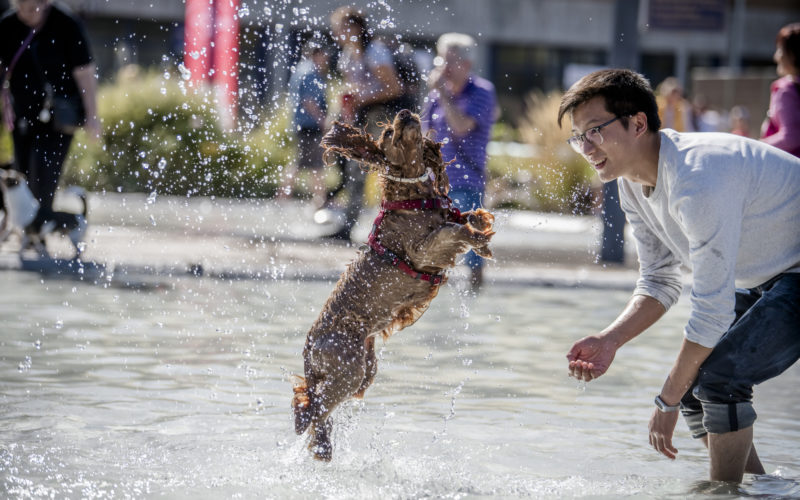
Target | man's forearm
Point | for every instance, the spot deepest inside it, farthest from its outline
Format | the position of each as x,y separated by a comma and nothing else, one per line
639,314
459,122
87,84
684,371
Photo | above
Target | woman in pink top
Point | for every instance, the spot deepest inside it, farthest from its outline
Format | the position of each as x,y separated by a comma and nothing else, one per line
782,126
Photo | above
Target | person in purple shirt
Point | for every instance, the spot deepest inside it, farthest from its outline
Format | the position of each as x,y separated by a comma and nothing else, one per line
782,126
461,112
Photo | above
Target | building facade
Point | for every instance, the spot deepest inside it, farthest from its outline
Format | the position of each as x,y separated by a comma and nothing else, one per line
524,44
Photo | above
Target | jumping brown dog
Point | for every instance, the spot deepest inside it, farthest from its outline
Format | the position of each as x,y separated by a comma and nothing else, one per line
416,237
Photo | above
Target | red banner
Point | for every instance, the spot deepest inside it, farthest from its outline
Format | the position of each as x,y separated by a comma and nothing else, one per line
211,50
226,57
197,39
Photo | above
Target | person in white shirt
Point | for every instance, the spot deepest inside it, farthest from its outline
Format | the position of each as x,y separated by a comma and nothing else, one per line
724,206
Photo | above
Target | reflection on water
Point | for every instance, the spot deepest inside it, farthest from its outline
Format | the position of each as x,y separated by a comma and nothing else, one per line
182,391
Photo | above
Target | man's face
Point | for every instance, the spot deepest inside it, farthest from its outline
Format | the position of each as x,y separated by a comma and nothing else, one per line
455,69
347,34
30,12
611,158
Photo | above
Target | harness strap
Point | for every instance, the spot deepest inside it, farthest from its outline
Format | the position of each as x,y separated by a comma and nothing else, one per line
442,202
393,259
387,255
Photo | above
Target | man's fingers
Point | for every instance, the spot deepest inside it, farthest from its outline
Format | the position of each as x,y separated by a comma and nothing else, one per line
582,370
663,445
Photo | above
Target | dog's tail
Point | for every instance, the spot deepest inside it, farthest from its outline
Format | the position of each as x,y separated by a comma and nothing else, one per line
301,404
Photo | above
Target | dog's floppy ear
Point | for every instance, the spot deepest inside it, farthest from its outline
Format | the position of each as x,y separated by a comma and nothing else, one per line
354,143
432,156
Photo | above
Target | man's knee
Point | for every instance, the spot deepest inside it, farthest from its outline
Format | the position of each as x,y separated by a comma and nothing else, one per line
725,408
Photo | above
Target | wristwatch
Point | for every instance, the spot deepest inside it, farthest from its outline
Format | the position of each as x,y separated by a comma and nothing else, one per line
664,407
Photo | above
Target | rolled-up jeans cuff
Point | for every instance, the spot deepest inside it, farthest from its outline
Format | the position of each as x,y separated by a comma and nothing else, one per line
719,418
694,419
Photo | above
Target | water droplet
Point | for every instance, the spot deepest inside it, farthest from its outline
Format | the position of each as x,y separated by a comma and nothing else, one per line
184,71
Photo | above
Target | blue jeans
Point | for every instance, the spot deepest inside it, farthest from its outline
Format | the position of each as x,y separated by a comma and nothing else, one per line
763,341
465,200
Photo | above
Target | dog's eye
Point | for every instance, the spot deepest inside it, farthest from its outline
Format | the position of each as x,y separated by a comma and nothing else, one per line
388,132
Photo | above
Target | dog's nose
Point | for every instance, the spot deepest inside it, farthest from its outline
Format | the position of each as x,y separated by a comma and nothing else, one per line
405,116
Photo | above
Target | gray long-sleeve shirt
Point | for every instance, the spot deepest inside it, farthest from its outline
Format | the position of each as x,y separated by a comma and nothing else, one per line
726,207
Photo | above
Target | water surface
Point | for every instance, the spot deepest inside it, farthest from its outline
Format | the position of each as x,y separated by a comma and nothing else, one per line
181,389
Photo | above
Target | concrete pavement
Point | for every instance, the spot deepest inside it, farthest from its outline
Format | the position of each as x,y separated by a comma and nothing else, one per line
136,235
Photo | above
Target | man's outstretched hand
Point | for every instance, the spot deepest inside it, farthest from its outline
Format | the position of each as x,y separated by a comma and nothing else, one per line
590,357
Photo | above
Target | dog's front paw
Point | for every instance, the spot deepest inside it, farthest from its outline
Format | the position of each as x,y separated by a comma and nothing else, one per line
484,252
479,218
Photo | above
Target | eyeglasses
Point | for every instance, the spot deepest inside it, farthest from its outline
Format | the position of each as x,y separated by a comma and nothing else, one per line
592,135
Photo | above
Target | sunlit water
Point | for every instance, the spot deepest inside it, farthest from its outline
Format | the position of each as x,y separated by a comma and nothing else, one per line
181,391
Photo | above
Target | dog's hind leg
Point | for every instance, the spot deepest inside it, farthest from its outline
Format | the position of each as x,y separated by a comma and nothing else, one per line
335,368
301,405
370,365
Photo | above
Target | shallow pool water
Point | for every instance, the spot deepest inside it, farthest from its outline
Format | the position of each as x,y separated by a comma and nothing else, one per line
181,390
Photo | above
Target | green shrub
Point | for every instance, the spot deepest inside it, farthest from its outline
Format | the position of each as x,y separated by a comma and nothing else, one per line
160,136
6,148
555,179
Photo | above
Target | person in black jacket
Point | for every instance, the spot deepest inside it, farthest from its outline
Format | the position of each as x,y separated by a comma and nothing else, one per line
49,88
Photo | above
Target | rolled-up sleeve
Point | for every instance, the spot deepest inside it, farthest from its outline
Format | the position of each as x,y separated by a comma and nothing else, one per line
659,269
713,231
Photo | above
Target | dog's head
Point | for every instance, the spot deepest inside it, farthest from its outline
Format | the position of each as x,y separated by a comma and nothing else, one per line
402,144
402,151
19,203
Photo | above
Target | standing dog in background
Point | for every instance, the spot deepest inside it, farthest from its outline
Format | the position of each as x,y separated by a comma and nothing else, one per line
17,202
21,208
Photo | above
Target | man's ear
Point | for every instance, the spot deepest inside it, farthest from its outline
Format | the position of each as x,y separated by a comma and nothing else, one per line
639,121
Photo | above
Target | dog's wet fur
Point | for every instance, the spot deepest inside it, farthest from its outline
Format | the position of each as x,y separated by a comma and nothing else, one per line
372,297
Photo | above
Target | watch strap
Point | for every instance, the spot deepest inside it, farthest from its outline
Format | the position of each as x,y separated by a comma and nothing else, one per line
664,407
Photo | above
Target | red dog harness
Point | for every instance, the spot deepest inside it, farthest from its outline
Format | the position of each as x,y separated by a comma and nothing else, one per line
428,204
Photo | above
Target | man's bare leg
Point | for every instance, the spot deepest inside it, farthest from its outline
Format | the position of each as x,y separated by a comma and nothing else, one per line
731,453
753,465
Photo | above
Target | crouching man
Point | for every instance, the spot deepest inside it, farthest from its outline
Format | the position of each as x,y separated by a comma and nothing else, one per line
727,208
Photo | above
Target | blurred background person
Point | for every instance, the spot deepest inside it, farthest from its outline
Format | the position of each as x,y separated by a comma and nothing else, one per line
310,103
372,94
739,121
49,89
461,112
782,126
673,108
705,118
